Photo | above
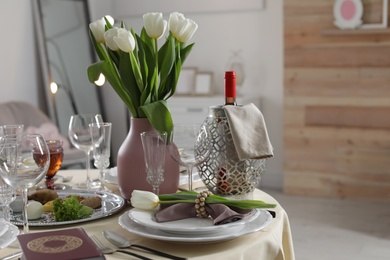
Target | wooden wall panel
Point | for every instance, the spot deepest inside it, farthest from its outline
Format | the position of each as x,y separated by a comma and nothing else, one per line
348,116
338,82
330,76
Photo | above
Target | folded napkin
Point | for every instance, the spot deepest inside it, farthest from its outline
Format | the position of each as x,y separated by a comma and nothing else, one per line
249,132
219,213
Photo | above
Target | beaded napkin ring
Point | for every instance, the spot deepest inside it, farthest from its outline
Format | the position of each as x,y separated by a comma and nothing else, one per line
200,203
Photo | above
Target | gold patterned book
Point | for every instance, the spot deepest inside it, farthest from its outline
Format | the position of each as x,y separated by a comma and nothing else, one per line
72,243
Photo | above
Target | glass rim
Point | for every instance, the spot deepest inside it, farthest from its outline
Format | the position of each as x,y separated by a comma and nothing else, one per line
153,133
101,124
54,141
12,126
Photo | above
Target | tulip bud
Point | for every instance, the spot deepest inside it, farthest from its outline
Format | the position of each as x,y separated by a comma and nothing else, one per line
109,37
98,28
144,200
155,25
124,40
181,28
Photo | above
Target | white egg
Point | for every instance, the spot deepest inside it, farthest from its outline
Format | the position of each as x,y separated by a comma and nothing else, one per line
17,205
34,210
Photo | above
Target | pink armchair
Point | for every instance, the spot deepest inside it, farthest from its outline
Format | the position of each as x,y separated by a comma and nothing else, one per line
34,120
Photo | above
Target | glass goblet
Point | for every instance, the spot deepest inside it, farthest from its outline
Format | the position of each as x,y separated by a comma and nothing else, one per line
10,130
13,131
35,163
154,146
101,139
7,195
80,137
56,157
193,143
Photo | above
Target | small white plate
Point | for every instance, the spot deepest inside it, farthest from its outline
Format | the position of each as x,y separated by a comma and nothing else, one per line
189,225
9,235
260,222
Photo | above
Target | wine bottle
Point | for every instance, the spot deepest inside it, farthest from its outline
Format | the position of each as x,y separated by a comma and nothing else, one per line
223,186
230,88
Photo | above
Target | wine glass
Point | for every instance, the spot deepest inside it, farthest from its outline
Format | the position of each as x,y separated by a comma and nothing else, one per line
80,137
194,145
154,146
35,163
56,157
101,139
7,195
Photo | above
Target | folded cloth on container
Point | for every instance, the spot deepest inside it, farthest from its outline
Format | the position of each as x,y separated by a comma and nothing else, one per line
219,213
249,132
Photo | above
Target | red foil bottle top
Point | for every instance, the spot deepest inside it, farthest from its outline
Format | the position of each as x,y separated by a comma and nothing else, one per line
230,84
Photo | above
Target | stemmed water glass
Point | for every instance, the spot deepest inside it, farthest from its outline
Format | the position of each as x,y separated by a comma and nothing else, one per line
154,146
11,130
80,137
35,163
194,146
101,139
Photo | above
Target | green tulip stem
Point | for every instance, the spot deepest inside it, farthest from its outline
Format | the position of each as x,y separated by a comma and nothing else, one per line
155,45
189,197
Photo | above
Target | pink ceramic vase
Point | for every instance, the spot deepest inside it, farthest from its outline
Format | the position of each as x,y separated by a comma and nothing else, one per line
131,163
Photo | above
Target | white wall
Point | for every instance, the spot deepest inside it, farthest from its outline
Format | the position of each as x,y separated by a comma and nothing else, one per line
258,34
18,67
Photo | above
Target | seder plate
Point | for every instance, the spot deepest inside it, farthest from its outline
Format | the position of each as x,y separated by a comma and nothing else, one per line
111,203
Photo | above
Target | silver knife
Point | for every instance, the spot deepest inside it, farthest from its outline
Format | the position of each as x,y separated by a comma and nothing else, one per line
16,254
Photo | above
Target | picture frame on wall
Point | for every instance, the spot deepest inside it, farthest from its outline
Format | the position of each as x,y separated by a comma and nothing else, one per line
204,83
354,14
185,84
383,24
348,13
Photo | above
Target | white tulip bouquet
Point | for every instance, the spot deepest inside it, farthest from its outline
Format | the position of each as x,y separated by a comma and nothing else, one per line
142,74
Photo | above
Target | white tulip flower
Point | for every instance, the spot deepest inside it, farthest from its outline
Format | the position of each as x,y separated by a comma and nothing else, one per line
98,29
124,40
181,28
109,37
145,200
155,25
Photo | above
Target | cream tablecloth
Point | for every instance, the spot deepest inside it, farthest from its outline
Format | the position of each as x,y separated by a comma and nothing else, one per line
272,242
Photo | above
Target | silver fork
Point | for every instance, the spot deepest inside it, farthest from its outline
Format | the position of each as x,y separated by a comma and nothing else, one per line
107,250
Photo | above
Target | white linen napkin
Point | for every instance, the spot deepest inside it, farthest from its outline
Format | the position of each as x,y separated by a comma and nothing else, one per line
249,132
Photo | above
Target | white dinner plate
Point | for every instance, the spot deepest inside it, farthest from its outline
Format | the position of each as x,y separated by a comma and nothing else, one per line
10,234
260,222
188,226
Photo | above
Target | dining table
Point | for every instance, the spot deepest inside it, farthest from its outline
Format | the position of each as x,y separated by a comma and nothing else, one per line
274,241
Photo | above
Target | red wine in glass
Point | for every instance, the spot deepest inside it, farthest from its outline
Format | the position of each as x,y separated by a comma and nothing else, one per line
56,157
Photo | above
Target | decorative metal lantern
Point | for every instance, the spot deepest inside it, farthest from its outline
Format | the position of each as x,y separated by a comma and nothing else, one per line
223,172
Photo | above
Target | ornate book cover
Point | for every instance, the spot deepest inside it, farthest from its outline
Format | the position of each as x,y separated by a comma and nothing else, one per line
73,243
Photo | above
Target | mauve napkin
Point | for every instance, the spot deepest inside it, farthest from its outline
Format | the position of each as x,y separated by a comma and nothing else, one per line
220,214
249,132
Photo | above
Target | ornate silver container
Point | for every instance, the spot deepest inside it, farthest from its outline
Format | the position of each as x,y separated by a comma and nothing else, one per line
223,172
